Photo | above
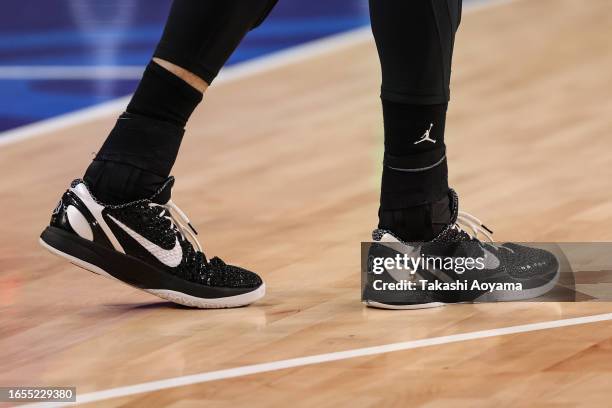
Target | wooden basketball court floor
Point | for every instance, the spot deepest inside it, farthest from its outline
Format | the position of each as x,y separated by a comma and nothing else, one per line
280,172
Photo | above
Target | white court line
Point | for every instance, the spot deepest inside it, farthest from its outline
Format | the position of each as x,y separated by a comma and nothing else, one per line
275,60
321,358
50,72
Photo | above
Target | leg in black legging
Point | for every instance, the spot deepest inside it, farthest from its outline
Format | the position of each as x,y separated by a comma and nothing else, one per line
415,44
139,153
201,35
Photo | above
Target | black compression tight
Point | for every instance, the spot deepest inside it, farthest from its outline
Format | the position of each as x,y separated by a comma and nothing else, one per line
414,39
200,35
415,44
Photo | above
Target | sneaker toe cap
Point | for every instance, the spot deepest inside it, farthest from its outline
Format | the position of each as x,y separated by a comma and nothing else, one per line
224,275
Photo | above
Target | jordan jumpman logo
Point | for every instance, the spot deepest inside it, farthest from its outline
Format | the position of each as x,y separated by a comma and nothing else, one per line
425,136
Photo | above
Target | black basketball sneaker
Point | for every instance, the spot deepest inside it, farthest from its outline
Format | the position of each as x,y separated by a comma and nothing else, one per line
148,244
437,272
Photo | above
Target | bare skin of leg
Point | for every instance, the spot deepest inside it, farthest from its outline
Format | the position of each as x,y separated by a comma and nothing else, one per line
189,77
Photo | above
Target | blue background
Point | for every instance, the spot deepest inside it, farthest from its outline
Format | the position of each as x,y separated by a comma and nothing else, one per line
90,33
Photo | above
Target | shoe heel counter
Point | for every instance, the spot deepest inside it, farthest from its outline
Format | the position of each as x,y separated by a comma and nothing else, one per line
71,215
59,216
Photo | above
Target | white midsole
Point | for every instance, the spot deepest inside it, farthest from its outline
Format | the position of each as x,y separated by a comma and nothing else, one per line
171,295
413,306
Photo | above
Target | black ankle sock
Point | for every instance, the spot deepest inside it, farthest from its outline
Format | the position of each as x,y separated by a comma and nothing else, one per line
418,223
135,159
163,96
119,183
414,189
139,153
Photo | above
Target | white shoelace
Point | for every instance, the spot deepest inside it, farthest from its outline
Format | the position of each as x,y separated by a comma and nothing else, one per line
173,213
185,228
466,220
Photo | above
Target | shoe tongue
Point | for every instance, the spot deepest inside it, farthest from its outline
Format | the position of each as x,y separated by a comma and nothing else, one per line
162,196
381,235
453,204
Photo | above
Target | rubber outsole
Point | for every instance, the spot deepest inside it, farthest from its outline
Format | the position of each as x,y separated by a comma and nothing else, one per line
414,306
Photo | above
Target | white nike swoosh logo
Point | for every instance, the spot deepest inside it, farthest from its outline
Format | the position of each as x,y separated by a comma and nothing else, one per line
491,260
404,274
169,257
